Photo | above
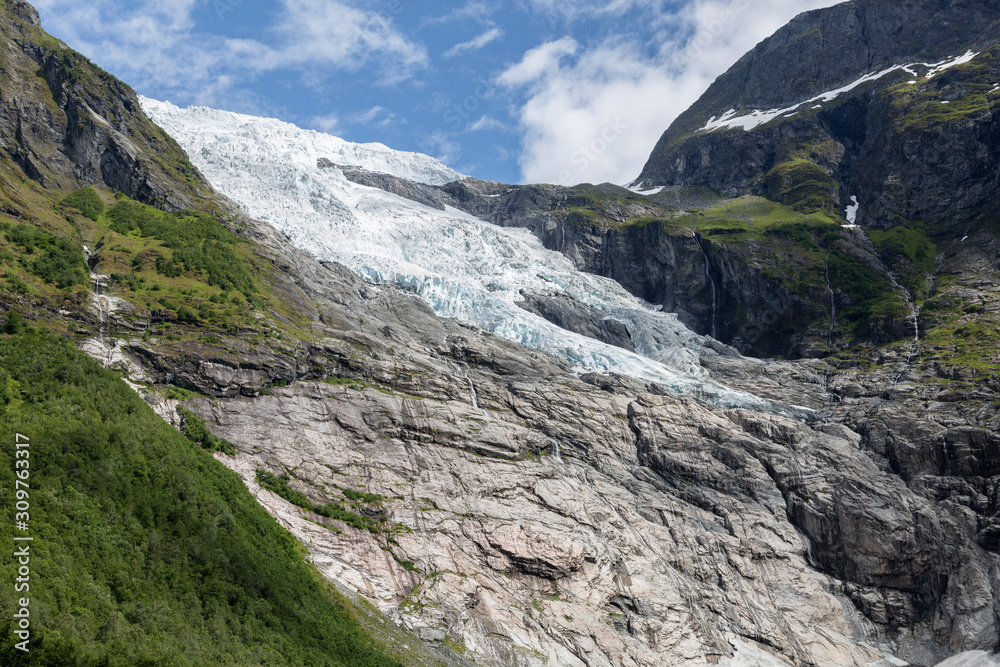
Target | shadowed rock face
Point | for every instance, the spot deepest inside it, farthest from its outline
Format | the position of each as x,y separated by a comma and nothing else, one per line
66,123
891,143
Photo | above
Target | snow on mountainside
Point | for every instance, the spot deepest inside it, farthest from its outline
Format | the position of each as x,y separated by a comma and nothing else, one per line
754,119
465,268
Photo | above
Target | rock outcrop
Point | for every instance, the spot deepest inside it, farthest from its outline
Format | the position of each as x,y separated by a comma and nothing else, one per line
862,100
66,124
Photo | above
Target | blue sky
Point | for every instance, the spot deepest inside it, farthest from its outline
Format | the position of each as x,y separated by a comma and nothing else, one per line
559,91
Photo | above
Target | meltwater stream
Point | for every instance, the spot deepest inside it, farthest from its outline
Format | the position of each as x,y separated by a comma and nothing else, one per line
465,268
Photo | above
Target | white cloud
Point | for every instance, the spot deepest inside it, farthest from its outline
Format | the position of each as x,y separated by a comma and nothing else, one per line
478,11
594,114
377,116
329,123
577,9
486,123
475,44
320,32
541,61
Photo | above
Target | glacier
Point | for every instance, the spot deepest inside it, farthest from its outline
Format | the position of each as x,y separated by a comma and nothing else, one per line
465,268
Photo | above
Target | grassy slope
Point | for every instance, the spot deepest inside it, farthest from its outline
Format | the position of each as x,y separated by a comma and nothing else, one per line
148,551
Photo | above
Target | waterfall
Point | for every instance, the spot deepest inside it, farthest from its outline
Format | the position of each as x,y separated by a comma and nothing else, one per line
915,316
472,392
711,282
833,300
101,302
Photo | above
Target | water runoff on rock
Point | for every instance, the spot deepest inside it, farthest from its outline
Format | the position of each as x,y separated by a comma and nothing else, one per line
465,268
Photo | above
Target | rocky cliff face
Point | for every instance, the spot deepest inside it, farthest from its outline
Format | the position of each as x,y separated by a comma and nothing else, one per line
541,518
861,99
65,123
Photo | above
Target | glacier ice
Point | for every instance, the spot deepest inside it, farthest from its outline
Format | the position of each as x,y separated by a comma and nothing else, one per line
463,267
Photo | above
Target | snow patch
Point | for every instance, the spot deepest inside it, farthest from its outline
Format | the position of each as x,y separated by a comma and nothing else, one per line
852,211
732,120
465,268
937,68
648,192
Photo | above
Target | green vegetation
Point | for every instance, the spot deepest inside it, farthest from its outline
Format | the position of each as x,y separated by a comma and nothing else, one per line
911,253
54,259
199,244
198,433
753,218
971,92
87,201
331,510
146,550
800,184
368,498
798,250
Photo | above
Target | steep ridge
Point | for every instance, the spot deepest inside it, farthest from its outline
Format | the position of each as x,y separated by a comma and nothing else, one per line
869,98
501,504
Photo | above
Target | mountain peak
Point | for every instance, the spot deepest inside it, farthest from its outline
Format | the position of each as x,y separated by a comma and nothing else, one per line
839,98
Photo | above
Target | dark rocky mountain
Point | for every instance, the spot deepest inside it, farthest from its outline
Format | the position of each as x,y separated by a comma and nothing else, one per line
917,144
501,508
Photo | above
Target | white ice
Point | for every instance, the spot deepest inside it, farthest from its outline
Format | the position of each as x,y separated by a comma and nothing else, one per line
465,268
731,120
852,211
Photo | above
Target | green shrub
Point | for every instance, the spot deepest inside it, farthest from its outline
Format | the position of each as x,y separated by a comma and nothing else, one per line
17,283
334,510
198,433
200,245
15,323
57,259
87,201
